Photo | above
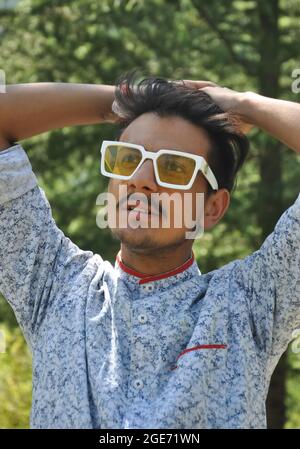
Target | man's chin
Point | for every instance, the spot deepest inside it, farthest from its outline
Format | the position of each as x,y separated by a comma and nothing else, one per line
148,240
138,238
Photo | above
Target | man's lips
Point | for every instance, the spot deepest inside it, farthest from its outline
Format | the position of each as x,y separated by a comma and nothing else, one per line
140,210
139,207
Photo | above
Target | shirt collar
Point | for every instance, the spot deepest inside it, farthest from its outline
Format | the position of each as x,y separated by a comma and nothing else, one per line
163,280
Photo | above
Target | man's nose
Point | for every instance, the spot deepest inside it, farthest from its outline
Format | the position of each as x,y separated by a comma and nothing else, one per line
144,178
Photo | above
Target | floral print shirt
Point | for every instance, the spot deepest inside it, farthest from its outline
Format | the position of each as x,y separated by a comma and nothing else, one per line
113,349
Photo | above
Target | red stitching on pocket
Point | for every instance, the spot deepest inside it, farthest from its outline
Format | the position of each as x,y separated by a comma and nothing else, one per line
194,348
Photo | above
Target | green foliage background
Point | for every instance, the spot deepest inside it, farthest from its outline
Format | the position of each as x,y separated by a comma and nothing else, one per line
245,45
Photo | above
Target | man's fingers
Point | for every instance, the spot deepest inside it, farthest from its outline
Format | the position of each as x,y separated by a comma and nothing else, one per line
199,84
209,89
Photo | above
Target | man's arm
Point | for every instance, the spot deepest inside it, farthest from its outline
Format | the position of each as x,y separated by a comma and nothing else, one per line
280,118
271,276
36,259
34,254
30,109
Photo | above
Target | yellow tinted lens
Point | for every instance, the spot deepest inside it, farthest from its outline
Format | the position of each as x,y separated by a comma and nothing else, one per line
175,169
121,160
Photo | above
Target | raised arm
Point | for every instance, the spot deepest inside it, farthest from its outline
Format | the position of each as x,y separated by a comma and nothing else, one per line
36,258
30,109
280,118
272,273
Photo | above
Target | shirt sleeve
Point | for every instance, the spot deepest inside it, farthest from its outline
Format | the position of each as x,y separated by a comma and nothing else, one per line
271,277
33,251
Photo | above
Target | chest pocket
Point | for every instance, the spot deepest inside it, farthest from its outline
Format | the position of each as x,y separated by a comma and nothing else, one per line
211,351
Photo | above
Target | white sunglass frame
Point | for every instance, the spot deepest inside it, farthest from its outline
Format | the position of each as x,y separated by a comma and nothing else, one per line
201,165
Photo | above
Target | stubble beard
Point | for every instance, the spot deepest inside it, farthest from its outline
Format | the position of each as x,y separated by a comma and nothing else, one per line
146,243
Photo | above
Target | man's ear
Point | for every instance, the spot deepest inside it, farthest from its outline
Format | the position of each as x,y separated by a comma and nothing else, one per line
215,207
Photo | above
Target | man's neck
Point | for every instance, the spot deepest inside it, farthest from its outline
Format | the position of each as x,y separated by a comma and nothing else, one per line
156,262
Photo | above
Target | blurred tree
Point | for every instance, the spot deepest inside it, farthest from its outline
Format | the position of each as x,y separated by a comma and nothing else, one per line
246,45
15,380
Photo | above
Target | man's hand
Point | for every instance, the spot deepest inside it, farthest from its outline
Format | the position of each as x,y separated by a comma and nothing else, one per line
280,118
228,100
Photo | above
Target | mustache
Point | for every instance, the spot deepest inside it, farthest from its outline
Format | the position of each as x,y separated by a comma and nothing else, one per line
154,204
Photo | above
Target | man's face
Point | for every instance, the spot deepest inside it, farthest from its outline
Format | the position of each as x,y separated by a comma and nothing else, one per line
155,133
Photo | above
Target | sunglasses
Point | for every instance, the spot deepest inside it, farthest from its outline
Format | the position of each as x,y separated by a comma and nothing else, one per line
173,169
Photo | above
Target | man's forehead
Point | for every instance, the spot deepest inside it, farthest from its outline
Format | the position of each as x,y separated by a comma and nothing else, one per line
172,133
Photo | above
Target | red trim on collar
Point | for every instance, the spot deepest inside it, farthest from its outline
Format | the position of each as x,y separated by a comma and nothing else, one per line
127,269
144,278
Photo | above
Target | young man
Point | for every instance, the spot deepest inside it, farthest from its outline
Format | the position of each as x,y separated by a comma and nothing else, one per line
149,342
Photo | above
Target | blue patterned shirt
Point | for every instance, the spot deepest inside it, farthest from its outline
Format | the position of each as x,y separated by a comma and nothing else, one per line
112,349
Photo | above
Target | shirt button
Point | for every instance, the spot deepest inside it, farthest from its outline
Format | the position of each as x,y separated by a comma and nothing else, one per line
148,287
138,384
142,319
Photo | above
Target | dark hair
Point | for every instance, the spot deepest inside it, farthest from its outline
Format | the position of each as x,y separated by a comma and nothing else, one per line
229,147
